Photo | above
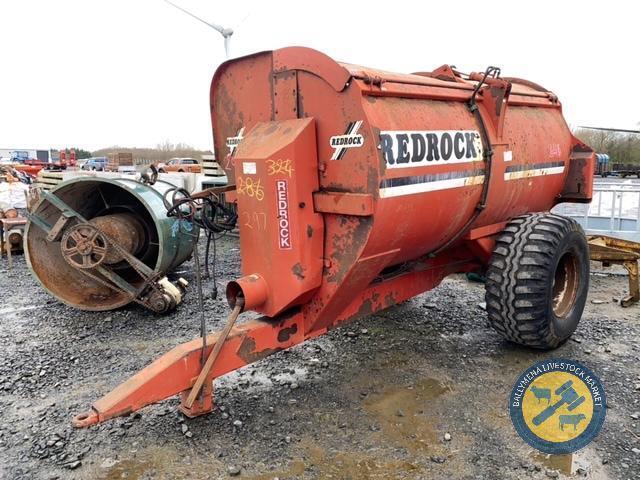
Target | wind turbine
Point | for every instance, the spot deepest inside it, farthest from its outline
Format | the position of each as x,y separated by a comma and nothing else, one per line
225,32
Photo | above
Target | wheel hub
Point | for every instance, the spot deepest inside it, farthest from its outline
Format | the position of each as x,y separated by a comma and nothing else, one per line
565,285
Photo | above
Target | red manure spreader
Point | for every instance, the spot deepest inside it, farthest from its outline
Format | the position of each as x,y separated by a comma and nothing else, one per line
357,189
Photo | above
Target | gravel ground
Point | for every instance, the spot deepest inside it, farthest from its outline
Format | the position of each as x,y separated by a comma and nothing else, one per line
417,391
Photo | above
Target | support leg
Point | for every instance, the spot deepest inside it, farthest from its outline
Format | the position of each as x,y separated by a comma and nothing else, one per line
202,404
634,284
1,240
8,246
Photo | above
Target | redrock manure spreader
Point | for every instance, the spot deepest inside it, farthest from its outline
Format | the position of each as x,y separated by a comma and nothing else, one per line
358,189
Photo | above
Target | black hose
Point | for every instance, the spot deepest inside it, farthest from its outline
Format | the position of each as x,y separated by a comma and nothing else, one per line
488,157
210,215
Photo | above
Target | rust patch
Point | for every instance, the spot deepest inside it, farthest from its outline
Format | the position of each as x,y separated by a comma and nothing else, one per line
285,334
581,148
298,271
498,94
347,245
577,182
301,112
390,300
247,352
365,309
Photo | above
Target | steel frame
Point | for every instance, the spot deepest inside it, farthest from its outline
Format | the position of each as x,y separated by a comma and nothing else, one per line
248,342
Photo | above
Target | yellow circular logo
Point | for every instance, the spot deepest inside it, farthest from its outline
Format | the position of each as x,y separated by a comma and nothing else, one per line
557,406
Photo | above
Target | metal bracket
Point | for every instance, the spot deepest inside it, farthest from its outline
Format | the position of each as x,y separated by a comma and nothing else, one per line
55,233
285,95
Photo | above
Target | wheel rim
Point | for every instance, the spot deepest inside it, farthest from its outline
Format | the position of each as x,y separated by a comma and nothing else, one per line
565,285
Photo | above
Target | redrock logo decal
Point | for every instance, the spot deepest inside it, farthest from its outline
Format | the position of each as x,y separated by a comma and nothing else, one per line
417,149
284,229
350,139
233,142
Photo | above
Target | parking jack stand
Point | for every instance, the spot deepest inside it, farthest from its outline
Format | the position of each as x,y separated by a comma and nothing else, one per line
202,404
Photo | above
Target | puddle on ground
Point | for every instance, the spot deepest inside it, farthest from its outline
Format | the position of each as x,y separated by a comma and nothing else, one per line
153,463
583,462
561,463
406,414
295,470
341,465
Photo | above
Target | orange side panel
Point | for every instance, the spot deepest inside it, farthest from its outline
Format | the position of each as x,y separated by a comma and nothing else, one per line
281,236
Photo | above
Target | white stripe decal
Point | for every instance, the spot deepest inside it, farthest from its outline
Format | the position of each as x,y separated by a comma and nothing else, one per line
533,173
387,192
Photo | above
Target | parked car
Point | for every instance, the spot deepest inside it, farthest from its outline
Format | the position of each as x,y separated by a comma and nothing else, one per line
95,163
180,165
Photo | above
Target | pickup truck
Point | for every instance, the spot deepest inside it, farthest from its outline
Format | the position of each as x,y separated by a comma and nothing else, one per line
180,165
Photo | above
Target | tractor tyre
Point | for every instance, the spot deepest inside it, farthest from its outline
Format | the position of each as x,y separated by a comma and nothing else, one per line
538,279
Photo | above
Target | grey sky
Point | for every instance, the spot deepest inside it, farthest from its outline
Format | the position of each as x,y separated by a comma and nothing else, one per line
135,73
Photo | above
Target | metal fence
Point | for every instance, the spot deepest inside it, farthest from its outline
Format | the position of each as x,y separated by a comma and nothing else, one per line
614,211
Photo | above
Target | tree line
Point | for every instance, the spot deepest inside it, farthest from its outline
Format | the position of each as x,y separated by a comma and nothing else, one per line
161,153
620,146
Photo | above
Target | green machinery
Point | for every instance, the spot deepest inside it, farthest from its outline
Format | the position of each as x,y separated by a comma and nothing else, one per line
98,244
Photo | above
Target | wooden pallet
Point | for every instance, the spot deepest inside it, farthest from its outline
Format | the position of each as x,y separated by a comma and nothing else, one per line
212,169
119,159
47,179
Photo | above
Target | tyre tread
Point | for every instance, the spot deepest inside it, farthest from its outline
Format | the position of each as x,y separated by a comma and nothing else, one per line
518,275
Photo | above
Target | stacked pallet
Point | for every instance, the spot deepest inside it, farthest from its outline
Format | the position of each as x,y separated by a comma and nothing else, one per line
211,168
48,179
119,159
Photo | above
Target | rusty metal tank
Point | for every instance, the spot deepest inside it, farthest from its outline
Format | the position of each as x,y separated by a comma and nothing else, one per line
86,272
379,168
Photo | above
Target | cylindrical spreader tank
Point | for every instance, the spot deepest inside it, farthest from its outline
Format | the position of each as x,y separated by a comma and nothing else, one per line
342,170
130,213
